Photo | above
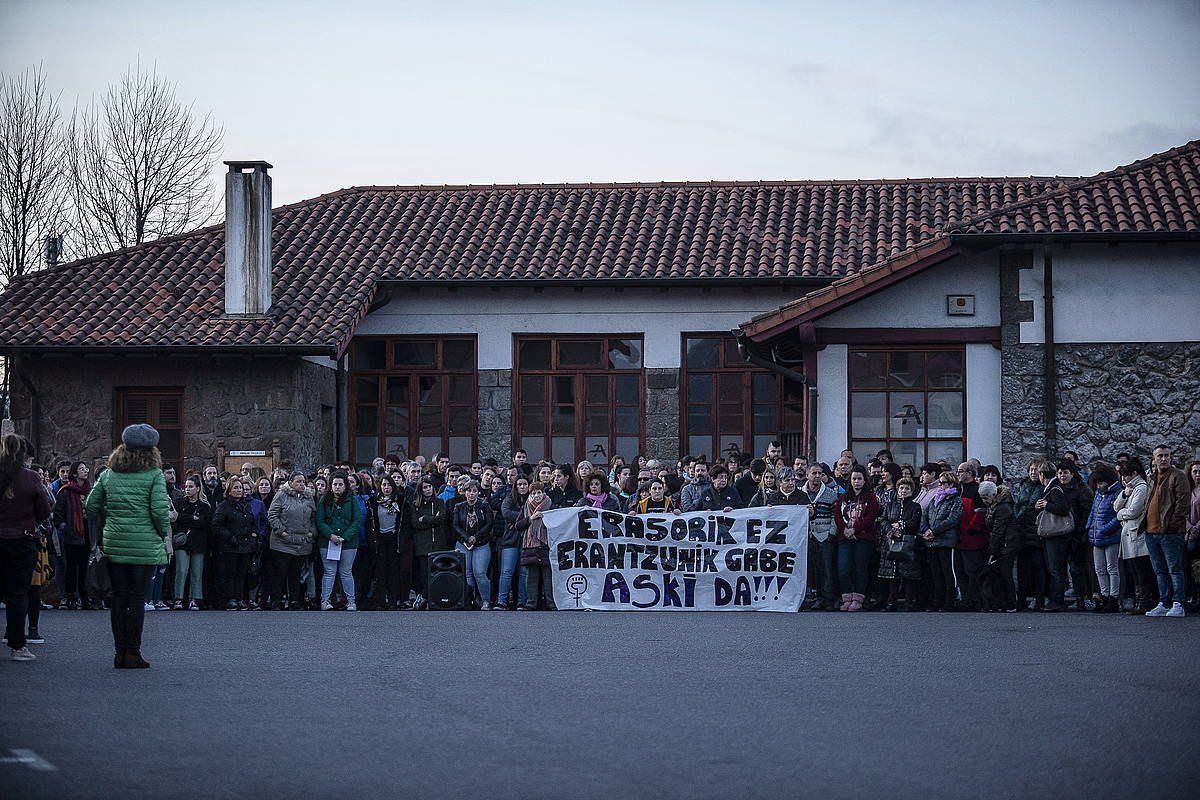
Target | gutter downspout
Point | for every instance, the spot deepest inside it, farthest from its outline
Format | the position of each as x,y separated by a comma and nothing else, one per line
1051,369
340,441
35,403
789,374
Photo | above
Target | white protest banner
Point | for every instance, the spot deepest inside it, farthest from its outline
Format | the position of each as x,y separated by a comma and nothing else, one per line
751,559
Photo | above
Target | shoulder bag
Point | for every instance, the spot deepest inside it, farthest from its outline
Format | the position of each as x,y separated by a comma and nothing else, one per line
1051,525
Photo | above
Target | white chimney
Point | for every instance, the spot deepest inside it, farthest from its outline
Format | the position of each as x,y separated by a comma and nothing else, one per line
247,238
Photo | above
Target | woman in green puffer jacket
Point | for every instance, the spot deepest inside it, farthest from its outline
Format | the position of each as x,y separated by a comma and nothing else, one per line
130,501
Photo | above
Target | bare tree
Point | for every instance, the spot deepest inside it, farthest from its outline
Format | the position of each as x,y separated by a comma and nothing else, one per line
32,189
139,164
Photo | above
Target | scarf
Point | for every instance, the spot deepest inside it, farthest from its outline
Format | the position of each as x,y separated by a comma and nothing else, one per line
942,493
597,500
76,492
536,535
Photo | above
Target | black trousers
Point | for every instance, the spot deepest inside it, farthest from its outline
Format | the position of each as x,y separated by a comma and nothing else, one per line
75,581
387,572
234,567
941,577
1031,575
17,560
364,575
285,572
1010,584
128,614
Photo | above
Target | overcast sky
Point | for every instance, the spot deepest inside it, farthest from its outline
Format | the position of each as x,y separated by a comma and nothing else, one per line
342,93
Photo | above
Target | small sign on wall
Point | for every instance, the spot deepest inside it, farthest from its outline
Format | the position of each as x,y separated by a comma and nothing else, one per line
960,305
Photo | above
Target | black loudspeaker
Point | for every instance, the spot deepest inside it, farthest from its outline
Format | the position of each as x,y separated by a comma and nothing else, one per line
447,581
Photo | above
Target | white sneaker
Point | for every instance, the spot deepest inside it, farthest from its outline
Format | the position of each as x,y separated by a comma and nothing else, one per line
1176,610
161,606
352,607
149,606
23,655
1159,611
326,605
485,606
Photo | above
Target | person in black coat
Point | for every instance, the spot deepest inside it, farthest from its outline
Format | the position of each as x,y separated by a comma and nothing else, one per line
900,521
471,529
1079,498
1005,537
509,544
190,537
720,495
234,528
1057,544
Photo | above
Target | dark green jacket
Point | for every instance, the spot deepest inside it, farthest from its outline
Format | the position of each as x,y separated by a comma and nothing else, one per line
131,504
340,520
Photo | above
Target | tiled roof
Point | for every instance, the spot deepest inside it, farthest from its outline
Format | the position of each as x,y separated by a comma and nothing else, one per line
331,251
1157,195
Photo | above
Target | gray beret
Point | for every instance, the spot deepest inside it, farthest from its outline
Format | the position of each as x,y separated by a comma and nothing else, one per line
139,436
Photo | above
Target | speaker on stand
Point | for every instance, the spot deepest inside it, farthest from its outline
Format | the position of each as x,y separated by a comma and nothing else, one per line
447,581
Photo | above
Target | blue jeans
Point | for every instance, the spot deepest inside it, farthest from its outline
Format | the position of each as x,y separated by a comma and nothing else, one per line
345,566
154,588
854,553
510,558
478,559
1056,548
1166,556
189,563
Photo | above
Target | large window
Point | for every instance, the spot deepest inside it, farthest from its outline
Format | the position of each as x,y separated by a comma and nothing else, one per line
162,408
730,406
579,397
911,401
412,396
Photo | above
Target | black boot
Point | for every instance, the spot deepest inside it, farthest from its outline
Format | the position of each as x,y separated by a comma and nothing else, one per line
134,660
119,659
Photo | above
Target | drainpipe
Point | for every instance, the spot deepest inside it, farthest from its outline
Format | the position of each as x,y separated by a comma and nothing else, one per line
1051,369
791,375
35,403
340,441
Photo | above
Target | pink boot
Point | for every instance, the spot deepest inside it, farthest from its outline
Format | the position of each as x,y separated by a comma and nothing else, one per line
846,602
856,601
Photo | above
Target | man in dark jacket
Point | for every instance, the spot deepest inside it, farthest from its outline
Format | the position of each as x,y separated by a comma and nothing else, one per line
1166,523
747,485
1079,559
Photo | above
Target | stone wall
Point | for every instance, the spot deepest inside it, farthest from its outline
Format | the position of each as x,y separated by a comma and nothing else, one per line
243,402
1022,372
1115,398
495,414
662,413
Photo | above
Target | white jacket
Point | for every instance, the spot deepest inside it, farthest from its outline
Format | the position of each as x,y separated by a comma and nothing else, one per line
1131,511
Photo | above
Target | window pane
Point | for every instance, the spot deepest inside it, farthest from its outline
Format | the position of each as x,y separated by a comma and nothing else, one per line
703,353
564,391
626,389
946,370
700,388
397,391
907,418
732,357
760,446
535,447
460,449
414,354
867,369
595,449
907,370
867,412
945,414
624,354
626,420
579,353
730,418
429,391
766,419
462,390
533,420
366,389
369,354
729,443
563,449
430,446
430,421
397,446
865,451
628,447
534,354
700,419
366,420
562,420
365,448
729,388
596,389
458,354
460,421
396,421
533,389
952,452
170,443
909,453
595,420
766,388
700,446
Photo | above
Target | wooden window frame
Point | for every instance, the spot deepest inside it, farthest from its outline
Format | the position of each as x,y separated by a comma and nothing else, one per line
122,393
747,371
413,373
925,390
579,374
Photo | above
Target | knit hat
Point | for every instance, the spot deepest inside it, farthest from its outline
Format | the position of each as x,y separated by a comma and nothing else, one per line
139,437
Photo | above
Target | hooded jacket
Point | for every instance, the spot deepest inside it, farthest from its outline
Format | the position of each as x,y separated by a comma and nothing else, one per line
1103,527
690,496
24,504
1131,511
1005,537
857,515
824,502
293,518
234,526
130,501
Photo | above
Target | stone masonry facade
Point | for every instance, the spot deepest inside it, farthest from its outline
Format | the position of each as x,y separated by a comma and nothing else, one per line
1022,371
662,414
495,414
243,402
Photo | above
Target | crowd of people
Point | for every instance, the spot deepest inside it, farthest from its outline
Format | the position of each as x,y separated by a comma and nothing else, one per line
883,536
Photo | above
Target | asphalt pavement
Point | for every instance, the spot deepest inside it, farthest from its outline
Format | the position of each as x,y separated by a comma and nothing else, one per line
575,705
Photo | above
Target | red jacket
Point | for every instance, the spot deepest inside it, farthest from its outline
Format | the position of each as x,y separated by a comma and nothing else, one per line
972,526
860,515
24,502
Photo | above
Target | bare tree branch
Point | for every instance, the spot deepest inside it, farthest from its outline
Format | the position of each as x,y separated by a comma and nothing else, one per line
139,164
32,186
